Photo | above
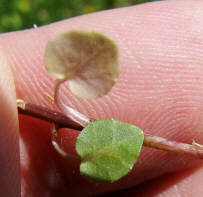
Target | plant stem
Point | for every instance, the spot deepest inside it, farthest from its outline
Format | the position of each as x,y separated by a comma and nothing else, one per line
59,149
73,114
48,115
193,149
62,121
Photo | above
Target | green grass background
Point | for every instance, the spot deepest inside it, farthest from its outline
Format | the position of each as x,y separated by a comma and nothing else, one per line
22,14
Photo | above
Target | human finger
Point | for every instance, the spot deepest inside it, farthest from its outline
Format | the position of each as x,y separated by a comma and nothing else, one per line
9,134
159,88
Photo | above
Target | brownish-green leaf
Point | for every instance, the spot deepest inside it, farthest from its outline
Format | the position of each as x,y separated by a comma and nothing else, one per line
88,59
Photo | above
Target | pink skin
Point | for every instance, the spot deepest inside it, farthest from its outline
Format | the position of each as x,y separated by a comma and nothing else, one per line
160,89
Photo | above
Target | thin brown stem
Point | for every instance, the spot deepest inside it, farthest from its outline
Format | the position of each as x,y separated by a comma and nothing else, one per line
48,115
63,121
193,149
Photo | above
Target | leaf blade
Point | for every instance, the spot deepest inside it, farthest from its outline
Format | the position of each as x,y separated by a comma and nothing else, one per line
88,59
117,147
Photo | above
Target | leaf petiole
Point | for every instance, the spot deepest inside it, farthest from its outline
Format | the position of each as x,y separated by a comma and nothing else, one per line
58,148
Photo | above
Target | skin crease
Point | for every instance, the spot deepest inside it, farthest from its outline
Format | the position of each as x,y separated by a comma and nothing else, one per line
160,89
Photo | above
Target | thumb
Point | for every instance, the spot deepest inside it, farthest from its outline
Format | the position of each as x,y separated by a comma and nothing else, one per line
9,141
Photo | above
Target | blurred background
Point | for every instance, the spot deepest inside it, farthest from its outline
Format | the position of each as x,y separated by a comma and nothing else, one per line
22,14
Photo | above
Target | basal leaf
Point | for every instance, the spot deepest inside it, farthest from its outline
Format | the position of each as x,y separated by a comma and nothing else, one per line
88,59
108,149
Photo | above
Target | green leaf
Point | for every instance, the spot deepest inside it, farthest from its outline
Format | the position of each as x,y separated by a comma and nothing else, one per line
108,149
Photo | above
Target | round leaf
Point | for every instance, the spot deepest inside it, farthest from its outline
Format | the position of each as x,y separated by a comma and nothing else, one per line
108,149
88,59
